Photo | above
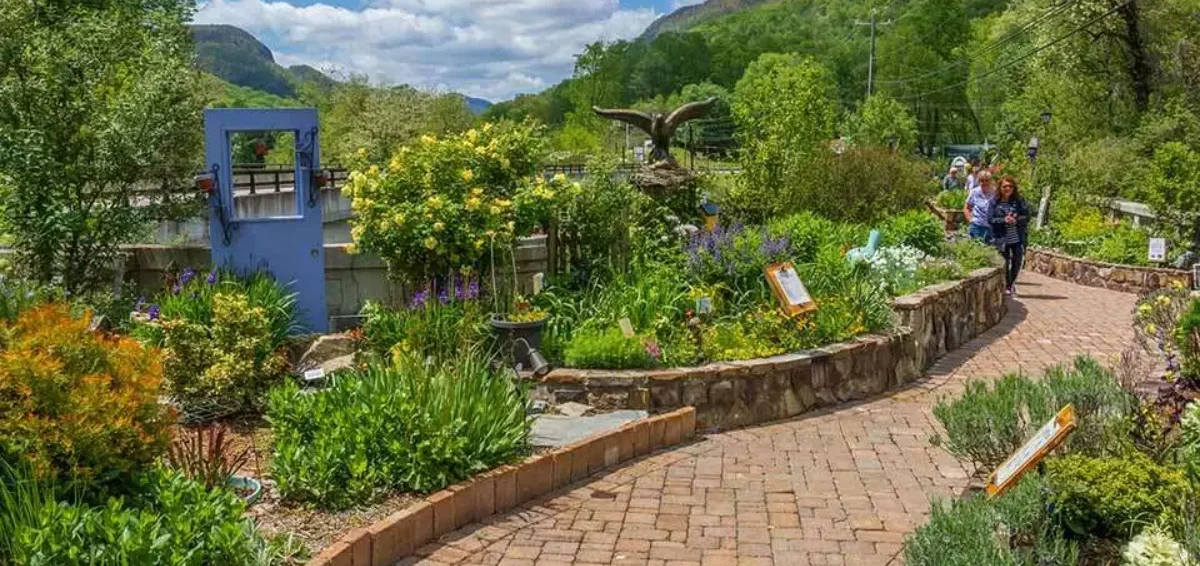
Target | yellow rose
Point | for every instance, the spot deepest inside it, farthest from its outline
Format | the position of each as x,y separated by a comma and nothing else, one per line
362,153
472,135
431,242
1151,329
427,139
481,150
373,171
473,203
560,178
503,203
1145,308
398,219
467,175
394,165
477,191
495,210
1164,300
439,226
487,127
434,202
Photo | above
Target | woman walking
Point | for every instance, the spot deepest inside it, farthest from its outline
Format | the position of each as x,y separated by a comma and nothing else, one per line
1010,229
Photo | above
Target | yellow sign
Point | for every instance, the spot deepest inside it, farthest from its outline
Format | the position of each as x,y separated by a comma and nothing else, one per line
789,289
1034,451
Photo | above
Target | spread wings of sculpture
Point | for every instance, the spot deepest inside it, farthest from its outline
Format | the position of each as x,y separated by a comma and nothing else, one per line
660,128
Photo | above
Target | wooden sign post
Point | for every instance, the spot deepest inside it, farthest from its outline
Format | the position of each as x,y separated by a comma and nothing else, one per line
788,288
1034,451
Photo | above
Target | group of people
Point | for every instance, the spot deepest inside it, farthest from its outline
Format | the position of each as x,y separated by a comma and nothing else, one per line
996,214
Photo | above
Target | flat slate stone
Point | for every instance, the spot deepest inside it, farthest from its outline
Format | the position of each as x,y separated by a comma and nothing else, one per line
554,431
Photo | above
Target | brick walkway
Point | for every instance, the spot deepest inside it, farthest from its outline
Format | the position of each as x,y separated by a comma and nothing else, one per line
835,487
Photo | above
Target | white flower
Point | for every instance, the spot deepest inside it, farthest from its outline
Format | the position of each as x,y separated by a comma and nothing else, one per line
1154,548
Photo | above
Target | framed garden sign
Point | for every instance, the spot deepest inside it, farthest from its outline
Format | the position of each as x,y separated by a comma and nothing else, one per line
789,289
1042,444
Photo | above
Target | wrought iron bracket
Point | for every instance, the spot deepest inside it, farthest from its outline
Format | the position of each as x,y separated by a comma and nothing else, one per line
218,203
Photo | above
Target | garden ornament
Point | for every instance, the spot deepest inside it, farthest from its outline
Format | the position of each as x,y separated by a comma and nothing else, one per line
658,126
865,254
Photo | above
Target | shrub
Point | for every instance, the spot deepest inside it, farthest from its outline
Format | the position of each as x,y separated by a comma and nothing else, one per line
1112,496
952,200
172,521
610,349
971,255
442,325
916,228
1154,547
80,406
1014,529
408,426
439,205
18,295
1189,441
223,338
896,267
807,233
1187,340
987,424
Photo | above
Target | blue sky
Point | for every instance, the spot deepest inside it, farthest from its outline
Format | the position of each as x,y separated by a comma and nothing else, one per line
492,49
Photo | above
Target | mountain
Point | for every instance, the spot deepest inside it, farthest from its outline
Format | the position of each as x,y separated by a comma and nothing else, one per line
688,17
477,106
239,58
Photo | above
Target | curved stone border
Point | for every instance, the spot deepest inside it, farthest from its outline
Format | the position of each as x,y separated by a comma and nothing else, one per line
931,322
502,489
1116,277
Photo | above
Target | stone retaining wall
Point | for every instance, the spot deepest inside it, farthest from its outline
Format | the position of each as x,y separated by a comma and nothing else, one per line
1125,278
930,323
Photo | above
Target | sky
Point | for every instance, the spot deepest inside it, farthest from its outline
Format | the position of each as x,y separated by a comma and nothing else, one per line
492,49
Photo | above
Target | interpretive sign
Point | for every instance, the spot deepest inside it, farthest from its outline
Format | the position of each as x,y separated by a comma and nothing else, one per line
1037,448
789,289
1158,249
626,328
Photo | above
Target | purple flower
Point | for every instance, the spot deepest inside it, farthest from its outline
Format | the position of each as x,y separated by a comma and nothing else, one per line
212,277
153,312
443,296
473,290
187,276
418,299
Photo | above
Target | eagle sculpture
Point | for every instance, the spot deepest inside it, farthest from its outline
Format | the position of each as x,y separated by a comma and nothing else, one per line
660,128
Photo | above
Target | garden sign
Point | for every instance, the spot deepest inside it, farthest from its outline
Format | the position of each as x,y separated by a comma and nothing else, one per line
1034,451
789,289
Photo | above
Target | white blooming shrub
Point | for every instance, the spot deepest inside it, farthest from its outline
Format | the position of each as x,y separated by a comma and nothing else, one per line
896,266
1153,547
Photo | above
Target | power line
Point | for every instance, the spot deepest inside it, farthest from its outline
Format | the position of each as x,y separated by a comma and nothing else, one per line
1010,37
1036,51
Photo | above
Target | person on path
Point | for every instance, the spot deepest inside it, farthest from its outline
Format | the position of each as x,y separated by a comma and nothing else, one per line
950,182
978,211
972,177
1010,223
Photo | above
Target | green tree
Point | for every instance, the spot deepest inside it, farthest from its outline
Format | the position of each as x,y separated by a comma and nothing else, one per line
784,111
100,128
882,121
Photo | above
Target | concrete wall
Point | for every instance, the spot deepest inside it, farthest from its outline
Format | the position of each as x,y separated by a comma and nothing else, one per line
350,279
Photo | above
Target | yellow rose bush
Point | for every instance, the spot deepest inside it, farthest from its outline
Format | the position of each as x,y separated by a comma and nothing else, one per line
437,205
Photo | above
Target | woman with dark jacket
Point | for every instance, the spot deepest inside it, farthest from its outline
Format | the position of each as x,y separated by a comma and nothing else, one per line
1010,228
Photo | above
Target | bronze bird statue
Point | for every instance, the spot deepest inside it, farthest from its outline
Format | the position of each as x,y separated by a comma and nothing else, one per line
660,128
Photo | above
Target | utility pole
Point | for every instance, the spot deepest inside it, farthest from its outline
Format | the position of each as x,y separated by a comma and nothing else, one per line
871,62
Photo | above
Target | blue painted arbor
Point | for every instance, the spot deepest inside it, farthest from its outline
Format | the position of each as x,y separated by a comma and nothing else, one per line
290,246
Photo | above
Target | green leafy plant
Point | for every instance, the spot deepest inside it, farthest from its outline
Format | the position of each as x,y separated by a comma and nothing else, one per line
76,405
223,339
990,421
171,521
439,205
609,349
405,426
970,254
442,324
1114,496
952,200
916,228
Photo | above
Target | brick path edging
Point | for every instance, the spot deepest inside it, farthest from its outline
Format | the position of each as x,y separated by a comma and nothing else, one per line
1112,276
931,322
504,488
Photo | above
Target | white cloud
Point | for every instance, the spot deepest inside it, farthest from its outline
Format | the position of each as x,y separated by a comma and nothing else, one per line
677,4
493,49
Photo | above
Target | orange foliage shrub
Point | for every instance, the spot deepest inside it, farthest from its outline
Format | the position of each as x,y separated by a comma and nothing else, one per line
79,406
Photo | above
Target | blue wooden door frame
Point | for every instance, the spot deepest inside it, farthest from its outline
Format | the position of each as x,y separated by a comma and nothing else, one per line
291,247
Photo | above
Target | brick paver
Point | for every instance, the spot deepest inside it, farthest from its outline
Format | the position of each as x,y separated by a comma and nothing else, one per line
842,486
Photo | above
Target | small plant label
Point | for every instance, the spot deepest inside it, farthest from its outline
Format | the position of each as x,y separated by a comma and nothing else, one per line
627,328
539,280
314,374
704,305
1158,249
1037,448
